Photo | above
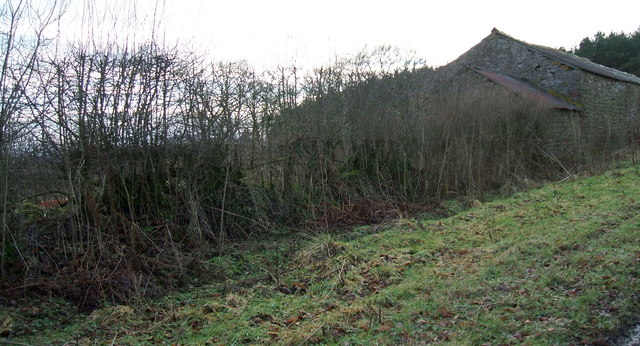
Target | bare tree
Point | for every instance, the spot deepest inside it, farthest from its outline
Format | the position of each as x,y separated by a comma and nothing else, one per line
23,36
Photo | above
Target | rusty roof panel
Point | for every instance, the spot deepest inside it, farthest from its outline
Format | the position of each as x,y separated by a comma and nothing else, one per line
526,90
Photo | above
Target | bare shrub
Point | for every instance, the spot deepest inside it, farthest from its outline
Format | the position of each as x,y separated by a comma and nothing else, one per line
163,158
378,139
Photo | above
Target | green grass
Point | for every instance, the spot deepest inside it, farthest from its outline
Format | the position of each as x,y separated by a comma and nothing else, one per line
556,265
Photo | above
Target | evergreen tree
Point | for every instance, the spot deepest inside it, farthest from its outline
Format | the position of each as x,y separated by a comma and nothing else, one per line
616,50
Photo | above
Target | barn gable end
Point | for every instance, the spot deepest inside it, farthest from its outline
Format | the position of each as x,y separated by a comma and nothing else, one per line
600,105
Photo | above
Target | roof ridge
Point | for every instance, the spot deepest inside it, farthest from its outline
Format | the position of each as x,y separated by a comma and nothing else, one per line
574,61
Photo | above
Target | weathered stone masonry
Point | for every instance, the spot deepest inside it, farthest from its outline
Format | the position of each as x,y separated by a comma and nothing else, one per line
595,108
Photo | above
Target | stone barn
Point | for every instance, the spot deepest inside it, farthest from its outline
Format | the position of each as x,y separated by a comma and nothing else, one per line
595,109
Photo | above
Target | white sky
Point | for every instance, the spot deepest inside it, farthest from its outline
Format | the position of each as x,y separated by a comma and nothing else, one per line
309,33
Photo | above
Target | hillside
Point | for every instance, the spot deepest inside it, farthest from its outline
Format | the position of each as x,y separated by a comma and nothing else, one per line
556,265
138,162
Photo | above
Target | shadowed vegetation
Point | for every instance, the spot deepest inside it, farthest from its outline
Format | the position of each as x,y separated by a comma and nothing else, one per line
556,265
130,170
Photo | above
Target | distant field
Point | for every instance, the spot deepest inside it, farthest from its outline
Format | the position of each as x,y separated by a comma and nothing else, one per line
556,265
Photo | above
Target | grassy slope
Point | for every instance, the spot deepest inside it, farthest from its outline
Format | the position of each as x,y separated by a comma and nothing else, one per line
556,265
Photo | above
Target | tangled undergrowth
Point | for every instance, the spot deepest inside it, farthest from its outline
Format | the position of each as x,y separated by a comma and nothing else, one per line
557,265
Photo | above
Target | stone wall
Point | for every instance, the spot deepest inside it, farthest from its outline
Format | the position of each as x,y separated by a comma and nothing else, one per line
632,95
505,55
611,107
564,138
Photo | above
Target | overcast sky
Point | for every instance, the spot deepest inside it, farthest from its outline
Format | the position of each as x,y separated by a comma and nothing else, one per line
309,33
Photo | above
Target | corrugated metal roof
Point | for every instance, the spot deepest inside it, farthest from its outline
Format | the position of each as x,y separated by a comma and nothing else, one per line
576,61
526,90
